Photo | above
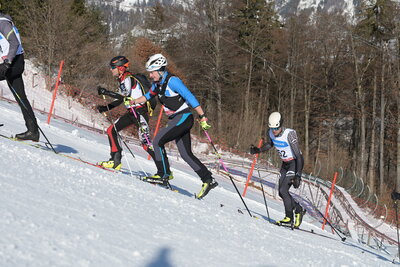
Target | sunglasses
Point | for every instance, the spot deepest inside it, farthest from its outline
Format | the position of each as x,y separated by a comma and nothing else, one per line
275,129
113,67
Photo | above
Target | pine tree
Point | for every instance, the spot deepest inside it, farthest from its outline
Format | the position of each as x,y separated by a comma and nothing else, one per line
255,20
376,21
78,7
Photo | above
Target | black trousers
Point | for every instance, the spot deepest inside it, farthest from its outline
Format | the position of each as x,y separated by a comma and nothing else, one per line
16,85
287,172
178,129
126,120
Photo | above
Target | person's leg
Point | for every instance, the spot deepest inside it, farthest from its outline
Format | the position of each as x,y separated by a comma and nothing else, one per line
115,146
174,130
184,144
285,182
144,134
16,84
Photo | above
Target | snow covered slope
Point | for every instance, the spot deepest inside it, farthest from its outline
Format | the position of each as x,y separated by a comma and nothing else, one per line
60,212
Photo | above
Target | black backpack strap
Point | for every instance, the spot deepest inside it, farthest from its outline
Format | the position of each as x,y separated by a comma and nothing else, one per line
149,109
164,86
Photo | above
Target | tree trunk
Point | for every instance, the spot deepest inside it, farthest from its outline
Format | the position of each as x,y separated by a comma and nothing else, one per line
398,138
363,115
396,86
307,111
382,137
214,14
371,169
248,86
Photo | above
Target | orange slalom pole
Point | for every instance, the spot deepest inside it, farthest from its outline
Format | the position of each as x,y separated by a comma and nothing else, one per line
158,126
55,91
252,169
329,199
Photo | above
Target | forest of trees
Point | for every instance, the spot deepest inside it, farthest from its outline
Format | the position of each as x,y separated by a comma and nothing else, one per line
334,79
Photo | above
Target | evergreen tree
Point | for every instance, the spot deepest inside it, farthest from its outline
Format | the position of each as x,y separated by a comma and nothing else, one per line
376,21
255,22
78,7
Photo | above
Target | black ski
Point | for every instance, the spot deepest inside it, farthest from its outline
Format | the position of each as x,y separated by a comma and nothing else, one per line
1,125
305,231
162,183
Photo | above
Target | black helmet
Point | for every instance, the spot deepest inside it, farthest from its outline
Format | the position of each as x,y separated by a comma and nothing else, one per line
119,61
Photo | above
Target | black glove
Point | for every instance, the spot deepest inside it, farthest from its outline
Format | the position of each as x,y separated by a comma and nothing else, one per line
296,180
102,109
254,150
101,90
395,196
3,69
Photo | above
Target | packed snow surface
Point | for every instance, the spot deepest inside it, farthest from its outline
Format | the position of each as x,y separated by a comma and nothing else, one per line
56,211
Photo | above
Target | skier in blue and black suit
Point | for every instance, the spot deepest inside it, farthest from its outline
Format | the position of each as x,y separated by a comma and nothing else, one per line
177,101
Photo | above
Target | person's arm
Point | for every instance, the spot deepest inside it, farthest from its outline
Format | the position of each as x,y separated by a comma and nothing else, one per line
265,147
201,113
179,87
104,91
7,29
146,97
294,145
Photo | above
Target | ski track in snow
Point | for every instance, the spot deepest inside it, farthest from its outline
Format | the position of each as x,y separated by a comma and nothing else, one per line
57,211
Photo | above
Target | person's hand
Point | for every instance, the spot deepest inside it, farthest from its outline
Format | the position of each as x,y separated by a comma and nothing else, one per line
254,150
296,180
4,67
102,109
129,102
204,125
395,196
101,90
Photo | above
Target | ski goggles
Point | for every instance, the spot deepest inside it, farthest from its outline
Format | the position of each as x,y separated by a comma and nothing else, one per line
275,129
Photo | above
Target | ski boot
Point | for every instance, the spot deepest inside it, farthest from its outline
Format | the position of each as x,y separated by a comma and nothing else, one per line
287,221
156,178
206,187
113,163
28,135
299,217
31,134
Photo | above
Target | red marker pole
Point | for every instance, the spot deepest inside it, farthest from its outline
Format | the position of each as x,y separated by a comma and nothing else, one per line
329,200
158,125
252,169
55,91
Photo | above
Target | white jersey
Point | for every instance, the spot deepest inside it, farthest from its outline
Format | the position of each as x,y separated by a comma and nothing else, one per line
282,145
5,45
126,89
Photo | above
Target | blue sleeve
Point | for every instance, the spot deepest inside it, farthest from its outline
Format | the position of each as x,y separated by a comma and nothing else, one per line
151,93
177,86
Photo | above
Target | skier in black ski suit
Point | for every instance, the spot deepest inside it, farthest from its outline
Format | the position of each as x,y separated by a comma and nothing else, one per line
11,69
286,143
137,114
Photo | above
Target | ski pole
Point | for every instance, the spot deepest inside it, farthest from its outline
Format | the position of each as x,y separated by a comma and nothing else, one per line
120,137
140,126
265,201
334,228
33,119
226,170
397,226
395,196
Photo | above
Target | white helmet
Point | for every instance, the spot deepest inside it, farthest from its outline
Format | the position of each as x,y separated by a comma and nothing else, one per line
275,120
156,62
